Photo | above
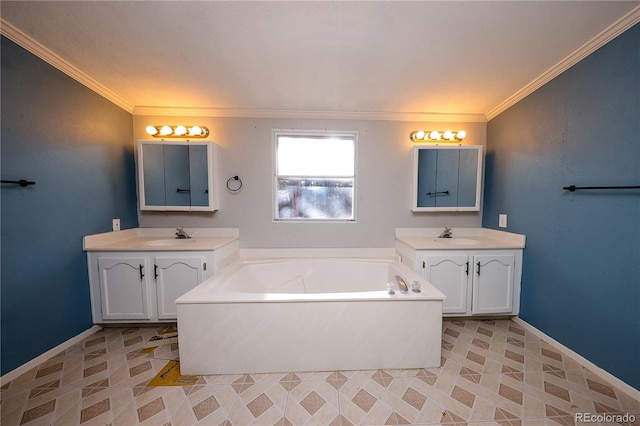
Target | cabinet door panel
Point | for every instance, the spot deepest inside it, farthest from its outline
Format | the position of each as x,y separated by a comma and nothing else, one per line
449,275
153,175
199,175
447,177
426,184
175,276
124,288
176,173
468,178
493,284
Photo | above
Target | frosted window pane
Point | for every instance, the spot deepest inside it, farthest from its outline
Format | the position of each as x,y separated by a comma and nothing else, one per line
322,198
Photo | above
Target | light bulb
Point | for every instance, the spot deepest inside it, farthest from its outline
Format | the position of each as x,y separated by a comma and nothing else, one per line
420,135
434,135
448,135
180,130
461,135
166,131
195,131
152,130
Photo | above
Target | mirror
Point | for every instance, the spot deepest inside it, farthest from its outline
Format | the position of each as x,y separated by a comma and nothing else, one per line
177,176
447,178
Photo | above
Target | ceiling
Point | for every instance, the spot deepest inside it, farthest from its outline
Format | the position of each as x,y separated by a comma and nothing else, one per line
384,58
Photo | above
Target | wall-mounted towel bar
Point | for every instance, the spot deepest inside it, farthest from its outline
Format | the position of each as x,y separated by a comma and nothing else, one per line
572,188
21,182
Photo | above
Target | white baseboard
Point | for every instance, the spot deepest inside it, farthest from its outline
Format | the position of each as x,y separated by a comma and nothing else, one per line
47,355
603,374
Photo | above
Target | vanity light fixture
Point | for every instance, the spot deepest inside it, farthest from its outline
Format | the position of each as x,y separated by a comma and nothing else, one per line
435,136
177,131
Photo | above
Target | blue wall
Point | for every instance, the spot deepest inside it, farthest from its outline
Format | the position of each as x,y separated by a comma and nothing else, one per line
581,271
78,148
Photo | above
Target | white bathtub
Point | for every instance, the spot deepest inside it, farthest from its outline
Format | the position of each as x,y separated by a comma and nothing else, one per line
289,315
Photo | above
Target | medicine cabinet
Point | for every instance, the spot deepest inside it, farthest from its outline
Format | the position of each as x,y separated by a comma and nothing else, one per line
446,178
177,176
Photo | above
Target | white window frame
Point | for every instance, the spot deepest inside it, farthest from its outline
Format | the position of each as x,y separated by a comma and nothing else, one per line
275,134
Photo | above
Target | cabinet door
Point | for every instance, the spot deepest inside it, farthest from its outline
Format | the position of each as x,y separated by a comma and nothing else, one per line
493,284
426,177
176,175
199,175
174,277
446,194
449,274
124,288
153,175
468,187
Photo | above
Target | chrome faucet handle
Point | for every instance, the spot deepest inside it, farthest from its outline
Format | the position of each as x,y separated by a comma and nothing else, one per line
181,233
447,233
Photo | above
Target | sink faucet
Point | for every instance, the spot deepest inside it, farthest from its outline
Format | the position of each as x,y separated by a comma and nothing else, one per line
181,234
446,233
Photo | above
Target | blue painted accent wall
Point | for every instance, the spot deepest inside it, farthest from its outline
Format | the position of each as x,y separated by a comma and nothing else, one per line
77,147
581,270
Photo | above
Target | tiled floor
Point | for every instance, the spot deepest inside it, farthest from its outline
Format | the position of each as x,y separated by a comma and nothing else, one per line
493,372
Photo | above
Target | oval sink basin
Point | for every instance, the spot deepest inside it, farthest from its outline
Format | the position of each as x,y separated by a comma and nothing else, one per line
169,242
457,241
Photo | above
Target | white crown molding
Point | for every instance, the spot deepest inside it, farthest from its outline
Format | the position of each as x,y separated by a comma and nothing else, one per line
33,46
611,32
294,114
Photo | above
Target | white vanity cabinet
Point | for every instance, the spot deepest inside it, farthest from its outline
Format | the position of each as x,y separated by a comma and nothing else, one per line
478,269
143,286
475,282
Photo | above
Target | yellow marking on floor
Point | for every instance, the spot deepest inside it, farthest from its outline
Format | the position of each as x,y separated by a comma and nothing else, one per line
170,376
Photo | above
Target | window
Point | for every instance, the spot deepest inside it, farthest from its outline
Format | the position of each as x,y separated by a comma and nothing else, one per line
314,175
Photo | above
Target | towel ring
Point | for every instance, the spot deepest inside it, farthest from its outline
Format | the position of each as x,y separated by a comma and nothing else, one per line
234,187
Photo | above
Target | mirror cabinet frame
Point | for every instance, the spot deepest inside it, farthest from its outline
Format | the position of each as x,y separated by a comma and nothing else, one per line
177,168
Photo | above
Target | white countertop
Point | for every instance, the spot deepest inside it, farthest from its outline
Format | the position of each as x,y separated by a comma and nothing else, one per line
160,239
463,239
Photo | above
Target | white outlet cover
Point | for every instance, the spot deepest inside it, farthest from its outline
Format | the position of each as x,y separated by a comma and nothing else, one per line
502,220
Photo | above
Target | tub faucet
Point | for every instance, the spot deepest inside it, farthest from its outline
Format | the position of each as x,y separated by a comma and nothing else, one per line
447,233
181,234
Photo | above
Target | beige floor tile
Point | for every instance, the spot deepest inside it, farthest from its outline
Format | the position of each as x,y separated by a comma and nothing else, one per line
260,403
312,403
205,405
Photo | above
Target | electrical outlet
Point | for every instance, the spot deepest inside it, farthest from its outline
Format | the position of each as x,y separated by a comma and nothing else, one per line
502,221
116,224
